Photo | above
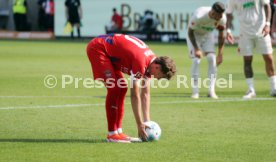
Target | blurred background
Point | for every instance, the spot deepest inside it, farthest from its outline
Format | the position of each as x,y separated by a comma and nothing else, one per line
162,20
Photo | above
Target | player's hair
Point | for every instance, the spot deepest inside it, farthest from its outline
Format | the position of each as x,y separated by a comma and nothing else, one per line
218,7
167,66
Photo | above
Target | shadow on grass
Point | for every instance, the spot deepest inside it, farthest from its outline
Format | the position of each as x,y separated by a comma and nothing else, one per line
54,140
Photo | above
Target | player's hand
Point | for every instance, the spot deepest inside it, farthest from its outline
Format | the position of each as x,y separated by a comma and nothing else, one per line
219,59
266,30
230,38
198,53
142,132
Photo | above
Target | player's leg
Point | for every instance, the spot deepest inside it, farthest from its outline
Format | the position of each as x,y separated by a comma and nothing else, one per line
122,90
195,77
270,71
208,46
114,111
212,74
78,29
264,46
249,75
246,46
194,70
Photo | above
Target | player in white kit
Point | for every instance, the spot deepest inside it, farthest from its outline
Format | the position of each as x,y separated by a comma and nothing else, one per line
200,42
254,18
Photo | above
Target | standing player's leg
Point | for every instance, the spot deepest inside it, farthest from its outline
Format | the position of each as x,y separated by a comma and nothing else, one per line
270,71
264,46
122,90
212,74
195,77
246,46
249,75
194,70
208,46
115,108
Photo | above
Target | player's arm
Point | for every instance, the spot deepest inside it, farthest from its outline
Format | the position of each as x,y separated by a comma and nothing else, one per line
220,46
136,107
266,29
145,98
192,38
229,26
273,28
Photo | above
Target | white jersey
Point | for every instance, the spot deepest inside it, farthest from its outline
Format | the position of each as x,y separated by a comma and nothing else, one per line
251,15
202,24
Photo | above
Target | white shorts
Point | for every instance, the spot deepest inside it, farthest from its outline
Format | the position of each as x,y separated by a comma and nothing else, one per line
248,43
205,43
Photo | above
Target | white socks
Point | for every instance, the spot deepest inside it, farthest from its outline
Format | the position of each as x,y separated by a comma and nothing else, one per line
250,84
212,71
272,80
110,133
195,74
118,131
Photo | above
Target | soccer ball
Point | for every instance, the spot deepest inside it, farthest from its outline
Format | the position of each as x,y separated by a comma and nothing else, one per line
154,131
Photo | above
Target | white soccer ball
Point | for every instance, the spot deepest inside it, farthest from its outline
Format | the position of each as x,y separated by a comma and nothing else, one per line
153,132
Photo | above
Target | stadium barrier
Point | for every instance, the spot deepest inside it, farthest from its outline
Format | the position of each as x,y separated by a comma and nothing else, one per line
164,36
26,35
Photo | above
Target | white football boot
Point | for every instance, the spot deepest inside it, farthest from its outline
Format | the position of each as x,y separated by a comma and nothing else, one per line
249,95
195,96
212,95
273,92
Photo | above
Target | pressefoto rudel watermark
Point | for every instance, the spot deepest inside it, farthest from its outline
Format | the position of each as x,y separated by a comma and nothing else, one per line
182,81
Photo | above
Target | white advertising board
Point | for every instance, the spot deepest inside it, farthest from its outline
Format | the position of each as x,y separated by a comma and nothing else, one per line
172,14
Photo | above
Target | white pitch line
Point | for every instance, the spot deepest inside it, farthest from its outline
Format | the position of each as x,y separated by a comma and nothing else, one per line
156,103
52,96
50,106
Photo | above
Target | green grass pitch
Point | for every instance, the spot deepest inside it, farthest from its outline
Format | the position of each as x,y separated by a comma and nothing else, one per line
68,124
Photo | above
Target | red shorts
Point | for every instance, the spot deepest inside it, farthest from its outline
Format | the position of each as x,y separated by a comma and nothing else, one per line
101,64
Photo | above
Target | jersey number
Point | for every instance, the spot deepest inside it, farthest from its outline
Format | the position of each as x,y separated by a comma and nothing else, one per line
136,41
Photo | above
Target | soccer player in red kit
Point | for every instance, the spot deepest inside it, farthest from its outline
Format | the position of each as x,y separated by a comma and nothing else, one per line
111,56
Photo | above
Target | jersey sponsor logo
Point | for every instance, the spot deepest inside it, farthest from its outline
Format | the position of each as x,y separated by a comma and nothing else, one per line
248,5
207,28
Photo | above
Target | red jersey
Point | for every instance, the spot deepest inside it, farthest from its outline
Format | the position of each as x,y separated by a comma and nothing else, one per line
127,53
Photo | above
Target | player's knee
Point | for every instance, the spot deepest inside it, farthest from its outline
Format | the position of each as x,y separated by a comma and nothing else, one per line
211,57
115,90
196,61
247,59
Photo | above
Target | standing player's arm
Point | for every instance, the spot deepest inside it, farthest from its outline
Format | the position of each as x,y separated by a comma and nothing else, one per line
193,41
136,107
266,29
229,26
145,98
273,27
220,46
